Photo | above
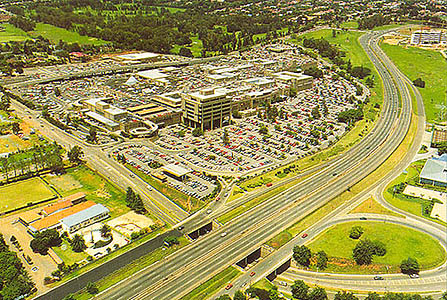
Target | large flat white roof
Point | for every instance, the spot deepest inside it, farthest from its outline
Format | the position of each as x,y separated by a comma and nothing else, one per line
152,74
176,170
101,119
138,56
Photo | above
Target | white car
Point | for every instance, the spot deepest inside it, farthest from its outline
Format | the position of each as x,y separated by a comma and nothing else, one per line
223,234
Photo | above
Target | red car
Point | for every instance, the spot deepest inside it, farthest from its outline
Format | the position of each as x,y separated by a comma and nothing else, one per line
304,235
229,286
252,274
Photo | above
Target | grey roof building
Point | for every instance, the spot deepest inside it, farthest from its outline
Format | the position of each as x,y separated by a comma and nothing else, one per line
435,171
84,218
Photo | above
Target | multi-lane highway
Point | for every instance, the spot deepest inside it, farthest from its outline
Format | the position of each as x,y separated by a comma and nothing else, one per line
175,276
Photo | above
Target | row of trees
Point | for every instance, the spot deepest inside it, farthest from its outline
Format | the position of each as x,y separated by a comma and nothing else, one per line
14,280
32,161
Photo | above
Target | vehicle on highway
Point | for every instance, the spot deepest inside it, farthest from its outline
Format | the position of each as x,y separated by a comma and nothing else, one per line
378,278
208,211
305,235
252,273
283,283
414,276
181,227
229,286
363,218
243,284
131,175
223,234
149,188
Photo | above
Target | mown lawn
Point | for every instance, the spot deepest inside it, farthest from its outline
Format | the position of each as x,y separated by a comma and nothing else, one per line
13,195
431,67
55,34
97,189
401,243
69,256
371,206
211,286
12,33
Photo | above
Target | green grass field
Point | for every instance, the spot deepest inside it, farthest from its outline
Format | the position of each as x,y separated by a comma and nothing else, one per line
96,188
55,34
211,286
428,65
401,243
69,256
12,33
13,196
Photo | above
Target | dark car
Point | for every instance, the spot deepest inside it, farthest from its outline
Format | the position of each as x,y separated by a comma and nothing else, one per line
363,218
378,278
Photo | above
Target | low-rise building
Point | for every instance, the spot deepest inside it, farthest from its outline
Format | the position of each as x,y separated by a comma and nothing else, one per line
84,218
435,172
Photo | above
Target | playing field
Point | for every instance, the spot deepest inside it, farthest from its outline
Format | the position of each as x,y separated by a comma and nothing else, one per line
12,33
431,67
19,194
401,243
55,34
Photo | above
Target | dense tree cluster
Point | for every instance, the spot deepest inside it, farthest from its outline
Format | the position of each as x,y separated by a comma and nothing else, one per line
45,240
140,25
134,201
350,116
364,251
25,163
23,23
373,21
409,266
14,280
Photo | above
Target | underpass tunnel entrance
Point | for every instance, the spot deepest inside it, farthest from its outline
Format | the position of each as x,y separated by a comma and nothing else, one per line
201,231
243,263
282,268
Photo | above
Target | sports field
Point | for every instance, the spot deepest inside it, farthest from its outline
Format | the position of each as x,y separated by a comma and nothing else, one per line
13,196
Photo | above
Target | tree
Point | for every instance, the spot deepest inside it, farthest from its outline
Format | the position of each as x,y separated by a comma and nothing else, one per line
239,295
322,260
77,243
409,266
302,255
92,135
369,82
356,232
318,293
15,128
316,112
225,138
69,297
171,240
44,240
91,288
419,83
345,296
263,130
314,72
379,248
300,290
57,92
363,253
185,52
74,155
373,296
224,297
444,296
197,132
106,231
